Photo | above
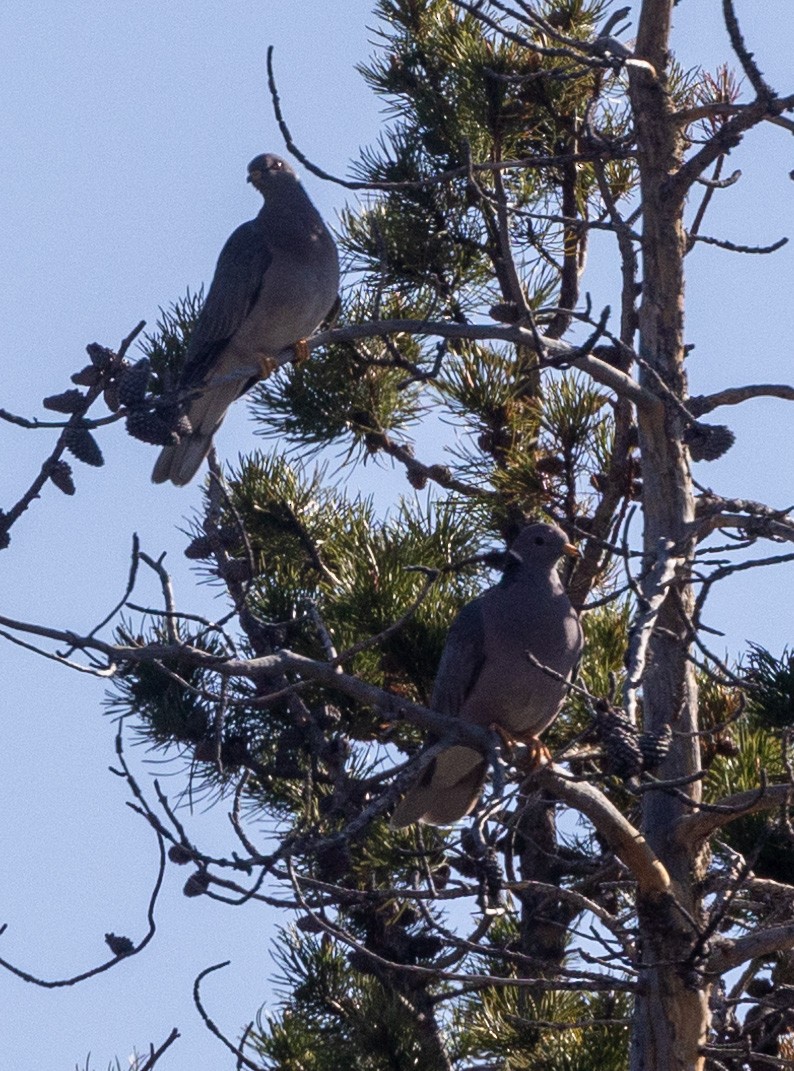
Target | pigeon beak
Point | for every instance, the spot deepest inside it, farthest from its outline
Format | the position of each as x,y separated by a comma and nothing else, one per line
570,550
254,176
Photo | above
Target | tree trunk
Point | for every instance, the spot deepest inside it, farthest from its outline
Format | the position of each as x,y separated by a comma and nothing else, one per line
672,1014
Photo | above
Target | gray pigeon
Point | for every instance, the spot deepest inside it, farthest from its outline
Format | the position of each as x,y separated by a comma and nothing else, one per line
485,677
276,279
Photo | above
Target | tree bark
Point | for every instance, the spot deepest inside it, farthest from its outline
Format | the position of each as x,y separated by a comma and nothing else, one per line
672,1013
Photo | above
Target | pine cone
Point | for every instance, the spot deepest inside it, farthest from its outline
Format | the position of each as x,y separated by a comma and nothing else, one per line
60,473
655,747
180,855
118,945
146,425
236,570
100,356
416,478
80,442
111,396
707,442
133,383
71,401
201,547
620,738
87,377
196,884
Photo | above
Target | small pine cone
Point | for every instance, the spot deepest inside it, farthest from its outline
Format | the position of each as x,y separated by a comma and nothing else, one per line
118,945
71,401
171,415
228,536
133,383
80,442
423,946
199,548
655,747
60,473
100,356
505,312
333,862
236,570
551,465
88,376
707,442
416,478
308,924
147,426
624,758
111,396
196,884
361,962
180,855
620,738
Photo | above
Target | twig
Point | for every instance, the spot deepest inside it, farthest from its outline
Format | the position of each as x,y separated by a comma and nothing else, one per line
242,1059
155,1055
133,951
700,404
733,247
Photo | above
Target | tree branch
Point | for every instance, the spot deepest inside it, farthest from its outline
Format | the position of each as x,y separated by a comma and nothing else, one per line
696,828
626,842
754,945
704,403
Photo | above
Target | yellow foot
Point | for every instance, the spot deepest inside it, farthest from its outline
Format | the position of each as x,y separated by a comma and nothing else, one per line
301,348
267,366
538,753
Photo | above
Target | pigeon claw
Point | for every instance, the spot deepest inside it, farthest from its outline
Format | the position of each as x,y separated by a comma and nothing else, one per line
301,348
538,753
267,366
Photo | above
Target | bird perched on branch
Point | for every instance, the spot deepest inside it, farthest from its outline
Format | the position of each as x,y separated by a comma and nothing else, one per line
493,672
276,279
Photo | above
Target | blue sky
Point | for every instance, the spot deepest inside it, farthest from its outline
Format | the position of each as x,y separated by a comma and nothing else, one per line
124,137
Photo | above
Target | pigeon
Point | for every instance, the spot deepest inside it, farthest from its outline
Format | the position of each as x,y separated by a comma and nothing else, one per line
486,677
276,280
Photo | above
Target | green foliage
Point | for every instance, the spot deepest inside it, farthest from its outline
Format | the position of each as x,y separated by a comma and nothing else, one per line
531,1033
166,348
771,698
334,1016
315,545
762,838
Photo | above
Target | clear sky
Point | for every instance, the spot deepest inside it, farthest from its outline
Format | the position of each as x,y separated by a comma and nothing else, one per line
124,137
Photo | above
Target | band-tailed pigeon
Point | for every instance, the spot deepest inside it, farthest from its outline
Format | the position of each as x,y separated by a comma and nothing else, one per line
276,279
485,676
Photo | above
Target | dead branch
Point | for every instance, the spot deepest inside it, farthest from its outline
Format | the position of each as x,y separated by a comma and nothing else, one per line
626,842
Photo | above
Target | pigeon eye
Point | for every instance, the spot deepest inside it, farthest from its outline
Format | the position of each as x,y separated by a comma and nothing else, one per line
540,540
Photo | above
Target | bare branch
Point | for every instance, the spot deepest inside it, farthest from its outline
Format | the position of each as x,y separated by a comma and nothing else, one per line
242,1059
704,403
626,842
733,247
155,1054
696,828
764,942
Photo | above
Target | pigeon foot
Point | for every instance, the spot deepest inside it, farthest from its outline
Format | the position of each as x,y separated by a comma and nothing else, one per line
301,348
539,754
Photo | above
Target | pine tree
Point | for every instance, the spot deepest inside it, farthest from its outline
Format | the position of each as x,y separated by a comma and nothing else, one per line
591,911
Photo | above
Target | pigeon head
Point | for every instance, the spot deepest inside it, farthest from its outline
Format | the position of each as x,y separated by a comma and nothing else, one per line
541,546
268,172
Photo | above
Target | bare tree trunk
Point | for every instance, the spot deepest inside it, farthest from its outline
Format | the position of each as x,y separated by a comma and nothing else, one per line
672,1014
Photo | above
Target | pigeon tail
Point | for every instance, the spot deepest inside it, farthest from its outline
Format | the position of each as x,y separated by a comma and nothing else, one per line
448,790
181,462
